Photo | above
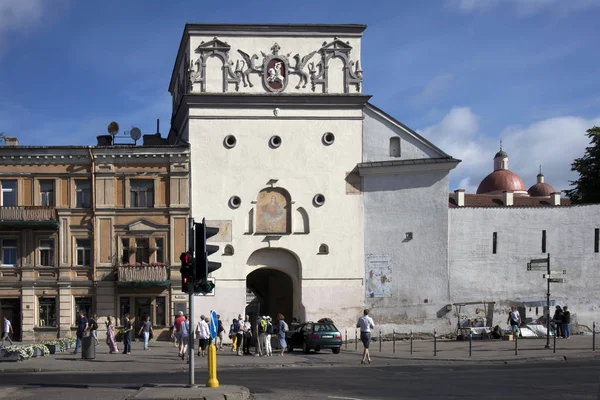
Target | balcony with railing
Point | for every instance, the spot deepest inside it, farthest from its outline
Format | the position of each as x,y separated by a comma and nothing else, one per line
31,217
142,274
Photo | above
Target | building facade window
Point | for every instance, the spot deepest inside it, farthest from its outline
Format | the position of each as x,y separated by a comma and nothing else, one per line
47,315
494,242
82,304
83,194
125,251
142,193
161,315
142,250
596,240
9,193
543,241
394,147
47,193
84,252
124,308
159,243
46,252
9,252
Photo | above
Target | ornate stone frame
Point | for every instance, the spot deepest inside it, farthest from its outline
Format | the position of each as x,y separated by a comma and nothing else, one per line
319,73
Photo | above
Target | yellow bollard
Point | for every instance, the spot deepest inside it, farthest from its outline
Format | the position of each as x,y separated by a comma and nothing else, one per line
212,381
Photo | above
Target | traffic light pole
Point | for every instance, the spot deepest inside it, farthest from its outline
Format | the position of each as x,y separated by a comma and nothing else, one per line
191,334
191,300
548,308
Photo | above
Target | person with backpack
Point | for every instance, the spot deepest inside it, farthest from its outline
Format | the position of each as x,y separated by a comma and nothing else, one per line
94,328
282,328
268,333
261,332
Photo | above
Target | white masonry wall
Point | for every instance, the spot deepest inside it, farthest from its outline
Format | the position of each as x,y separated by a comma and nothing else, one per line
476,274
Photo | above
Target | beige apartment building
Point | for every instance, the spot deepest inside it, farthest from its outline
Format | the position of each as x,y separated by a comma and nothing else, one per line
93,228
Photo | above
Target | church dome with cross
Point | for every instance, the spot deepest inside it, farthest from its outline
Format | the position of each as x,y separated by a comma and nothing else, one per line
502,180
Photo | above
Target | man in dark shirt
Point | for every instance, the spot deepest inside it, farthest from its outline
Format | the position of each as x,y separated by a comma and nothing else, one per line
127,328
566,322
82,325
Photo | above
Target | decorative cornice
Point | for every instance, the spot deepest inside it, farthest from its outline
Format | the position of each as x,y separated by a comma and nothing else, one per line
407,166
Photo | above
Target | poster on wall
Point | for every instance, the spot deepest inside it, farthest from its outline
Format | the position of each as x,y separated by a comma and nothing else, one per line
378,281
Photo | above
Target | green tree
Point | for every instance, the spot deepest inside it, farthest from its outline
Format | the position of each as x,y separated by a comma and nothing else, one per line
587,186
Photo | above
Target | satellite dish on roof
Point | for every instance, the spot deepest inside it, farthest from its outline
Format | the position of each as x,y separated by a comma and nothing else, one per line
113,128
135,133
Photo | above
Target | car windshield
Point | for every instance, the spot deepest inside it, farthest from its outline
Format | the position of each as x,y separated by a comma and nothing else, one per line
324,328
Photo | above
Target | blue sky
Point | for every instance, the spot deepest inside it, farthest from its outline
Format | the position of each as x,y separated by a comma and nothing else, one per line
464,73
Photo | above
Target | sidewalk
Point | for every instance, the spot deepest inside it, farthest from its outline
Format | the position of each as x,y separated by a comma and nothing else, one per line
578,347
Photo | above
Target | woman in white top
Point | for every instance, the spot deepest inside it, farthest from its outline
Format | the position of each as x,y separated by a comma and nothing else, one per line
365,323
7,330
203,332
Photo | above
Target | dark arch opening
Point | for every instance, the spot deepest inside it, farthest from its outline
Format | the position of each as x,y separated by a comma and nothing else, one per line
269,292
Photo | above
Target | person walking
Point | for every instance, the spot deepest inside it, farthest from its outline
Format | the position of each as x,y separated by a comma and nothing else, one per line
282,328
93,326
566,323
233,330
184,336
240,336
261,346
177,325
247,329
366,324
203,333
558,321
127,332
7,330
514,319
268,349
110,336
146,331
82,326
220,333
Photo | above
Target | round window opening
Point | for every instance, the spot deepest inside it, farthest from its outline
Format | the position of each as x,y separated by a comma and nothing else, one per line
235,202
229,141
275,141
319,200
328,138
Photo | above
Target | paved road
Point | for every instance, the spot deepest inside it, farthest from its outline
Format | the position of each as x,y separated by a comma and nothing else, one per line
556,380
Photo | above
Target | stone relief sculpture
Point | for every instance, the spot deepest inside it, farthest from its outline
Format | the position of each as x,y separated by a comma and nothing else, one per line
275,68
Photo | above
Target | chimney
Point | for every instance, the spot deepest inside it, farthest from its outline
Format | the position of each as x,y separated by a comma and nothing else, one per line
507,198
460,197
555,198
11,141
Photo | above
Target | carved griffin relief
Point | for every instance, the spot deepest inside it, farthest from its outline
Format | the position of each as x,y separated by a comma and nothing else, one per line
274,68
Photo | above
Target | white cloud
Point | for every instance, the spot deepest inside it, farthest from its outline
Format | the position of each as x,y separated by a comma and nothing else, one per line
435,88
554,143
18,13
524,8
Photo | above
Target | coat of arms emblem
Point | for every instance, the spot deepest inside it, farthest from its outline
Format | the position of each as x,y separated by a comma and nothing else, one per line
275,70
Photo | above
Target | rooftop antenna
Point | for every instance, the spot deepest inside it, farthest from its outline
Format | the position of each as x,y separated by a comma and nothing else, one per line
135,134
501,145
157,127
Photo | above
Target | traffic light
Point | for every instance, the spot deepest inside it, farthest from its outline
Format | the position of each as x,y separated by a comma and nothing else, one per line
187,270
205,287
204,266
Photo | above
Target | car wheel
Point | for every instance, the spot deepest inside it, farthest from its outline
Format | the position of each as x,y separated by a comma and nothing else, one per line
336,350
305,348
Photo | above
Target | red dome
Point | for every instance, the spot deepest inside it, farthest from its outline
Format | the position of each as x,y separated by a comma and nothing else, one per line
499,181
541,190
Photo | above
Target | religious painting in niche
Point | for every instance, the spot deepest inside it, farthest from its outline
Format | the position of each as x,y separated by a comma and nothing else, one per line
272,211
378,281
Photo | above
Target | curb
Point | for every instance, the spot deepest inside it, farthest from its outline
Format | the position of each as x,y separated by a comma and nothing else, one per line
180,392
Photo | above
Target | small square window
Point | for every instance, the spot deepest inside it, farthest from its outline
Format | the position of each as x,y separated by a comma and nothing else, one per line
142,193
47,314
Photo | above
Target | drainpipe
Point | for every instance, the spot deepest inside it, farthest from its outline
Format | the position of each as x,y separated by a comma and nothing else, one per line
93,238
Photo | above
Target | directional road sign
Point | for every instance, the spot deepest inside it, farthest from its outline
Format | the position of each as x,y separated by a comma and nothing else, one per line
537,263
554,274
214,324
557,280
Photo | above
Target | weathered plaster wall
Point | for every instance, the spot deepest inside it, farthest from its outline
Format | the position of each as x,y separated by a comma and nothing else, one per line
476,273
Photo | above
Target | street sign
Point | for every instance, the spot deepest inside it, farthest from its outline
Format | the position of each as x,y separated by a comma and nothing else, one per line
554,274
564,271
537,263
214,324
557,280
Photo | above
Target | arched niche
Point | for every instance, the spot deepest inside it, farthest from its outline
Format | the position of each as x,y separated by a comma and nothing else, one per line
273,211
301,222
214,74
335,75
395,146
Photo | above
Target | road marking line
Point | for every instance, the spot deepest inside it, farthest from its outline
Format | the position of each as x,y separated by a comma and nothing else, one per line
342,398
